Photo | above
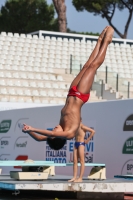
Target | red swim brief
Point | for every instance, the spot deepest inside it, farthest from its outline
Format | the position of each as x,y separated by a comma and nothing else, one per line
74,92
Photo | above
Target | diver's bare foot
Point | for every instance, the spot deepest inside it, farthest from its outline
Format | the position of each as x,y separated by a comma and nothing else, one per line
79,180
103,33
109,34
72,180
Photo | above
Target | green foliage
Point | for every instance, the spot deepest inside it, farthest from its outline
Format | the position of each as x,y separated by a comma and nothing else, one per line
98,6
106,9
83,33
24,16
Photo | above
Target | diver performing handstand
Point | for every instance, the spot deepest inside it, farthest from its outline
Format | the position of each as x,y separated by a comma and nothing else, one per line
78,94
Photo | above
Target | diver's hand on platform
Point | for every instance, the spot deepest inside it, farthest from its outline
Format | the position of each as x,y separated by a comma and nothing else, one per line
27,128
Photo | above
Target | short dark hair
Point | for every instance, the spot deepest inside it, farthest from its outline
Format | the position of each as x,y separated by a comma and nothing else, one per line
56,143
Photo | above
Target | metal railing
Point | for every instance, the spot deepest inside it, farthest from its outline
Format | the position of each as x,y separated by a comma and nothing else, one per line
115,81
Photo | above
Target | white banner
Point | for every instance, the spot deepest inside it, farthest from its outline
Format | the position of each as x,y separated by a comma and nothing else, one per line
112,143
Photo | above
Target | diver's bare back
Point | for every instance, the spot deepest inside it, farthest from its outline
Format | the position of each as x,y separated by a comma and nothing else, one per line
70,114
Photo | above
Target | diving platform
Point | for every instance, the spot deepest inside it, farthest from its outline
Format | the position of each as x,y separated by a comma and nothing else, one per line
109,188
94,186
39,170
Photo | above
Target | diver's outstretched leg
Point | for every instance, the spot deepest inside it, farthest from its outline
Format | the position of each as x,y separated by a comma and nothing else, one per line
86,81
91,58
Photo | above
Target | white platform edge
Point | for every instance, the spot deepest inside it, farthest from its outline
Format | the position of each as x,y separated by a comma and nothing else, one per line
119,187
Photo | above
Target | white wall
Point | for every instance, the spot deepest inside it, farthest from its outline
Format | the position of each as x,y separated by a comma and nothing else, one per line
107,118
17,105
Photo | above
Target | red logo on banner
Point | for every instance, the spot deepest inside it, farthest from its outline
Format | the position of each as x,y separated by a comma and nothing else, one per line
20,157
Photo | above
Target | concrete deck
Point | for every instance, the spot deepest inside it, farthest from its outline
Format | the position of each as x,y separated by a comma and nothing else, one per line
60,183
